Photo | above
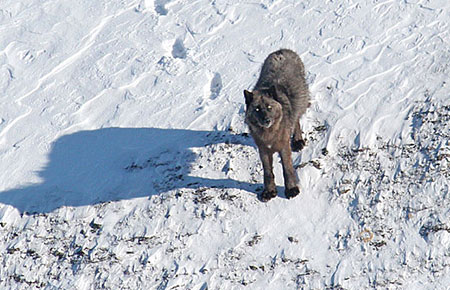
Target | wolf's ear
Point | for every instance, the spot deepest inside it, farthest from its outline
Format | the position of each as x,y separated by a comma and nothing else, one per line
272,91
248,97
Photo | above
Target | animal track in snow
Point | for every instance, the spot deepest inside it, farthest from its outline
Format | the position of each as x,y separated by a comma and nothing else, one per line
178,49
216,86
160,7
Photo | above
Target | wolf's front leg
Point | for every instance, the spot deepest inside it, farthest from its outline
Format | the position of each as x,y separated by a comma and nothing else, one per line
290,179
270,190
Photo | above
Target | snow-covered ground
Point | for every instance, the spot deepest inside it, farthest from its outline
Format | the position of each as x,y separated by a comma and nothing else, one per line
125,162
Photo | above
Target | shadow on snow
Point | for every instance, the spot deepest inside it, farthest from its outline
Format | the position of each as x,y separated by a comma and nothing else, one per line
91,167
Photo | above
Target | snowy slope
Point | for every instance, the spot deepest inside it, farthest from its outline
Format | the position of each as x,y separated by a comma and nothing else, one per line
125,162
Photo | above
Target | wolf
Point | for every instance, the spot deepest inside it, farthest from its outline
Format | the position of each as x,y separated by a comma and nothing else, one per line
273,110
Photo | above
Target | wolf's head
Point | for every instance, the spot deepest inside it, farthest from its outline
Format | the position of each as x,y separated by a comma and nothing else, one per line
262,108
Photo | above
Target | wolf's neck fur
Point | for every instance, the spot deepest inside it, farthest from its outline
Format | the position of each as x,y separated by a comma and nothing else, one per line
271,137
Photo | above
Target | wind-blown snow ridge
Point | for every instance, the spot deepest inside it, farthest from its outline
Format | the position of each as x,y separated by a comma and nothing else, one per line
126,163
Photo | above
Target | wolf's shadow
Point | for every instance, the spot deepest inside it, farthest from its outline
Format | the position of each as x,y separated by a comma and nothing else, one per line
92,167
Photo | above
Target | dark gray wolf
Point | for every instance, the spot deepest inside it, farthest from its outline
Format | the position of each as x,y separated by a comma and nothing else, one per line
273,110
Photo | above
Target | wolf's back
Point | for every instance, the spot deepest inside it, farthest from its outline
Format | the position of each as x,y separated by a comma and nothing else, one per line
285,69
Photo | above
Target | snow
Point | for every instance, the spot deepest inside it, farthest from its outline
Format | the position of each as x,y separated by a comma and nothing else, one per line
126,163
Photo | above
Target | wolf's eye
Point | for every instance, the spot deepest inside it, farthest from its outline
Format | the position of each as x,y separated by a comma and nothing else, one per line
257,109
269,108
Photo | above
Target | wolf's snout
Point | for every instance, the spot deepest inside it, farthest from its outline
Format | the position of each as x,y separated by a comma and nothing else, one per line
265,121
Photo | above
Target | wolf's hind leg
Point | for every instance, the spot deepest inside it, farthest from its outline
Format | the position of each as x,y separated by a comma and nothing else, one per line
297,142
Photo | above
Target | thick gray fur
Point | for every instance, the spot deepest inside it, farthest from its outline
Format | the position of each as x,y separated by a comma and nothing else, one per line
285,70
273,110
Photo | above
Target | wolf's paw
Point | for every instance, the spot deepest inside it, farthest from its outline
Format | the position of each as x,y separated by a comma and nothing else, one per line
266,195
297,145
292,192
